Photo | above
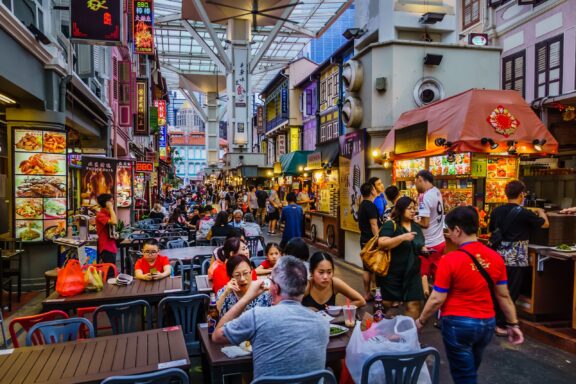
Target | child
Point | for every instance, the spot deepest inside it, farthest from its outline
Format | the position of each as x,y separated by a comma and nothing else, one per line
272,255
152,266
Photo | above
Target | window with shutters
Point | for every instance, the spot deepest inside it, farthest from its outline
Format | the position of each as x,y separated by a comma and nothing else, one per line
514,72
329,90
308,102
549,67
470,13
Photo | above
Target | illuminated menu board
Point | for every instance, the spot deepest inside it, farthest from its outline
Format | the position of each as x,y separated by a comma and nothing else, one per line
96,21
124,184
39,184
500,170
143,27
407,169
440,166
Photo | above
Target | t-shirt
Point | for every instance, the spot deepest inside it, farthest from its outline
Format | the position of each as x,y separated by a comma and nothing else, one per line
380,203
194,220
203,228
261,196
430,205
159,264
275,200
105,243
293,217
523,223
366,212
278,348
468,292
266,264
302,196
252,200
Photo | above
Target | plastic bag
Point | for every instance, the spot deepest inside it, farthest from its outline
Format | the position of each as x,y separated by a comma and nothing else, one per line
93,280
70,279
398,335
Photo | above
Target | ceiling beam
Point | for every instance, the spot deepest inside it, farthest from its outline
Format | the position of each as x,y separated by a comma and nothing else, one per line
221,53
269,68
167,18
219,61
301,33
301,30
189,94
187,56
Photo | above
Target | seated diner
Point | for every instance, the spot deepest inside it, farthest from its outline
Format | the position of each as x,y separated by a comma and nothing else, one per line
152,266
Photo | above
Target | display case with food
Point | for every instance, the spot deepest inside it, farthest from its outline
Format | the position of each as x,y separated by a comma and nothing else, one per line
40,183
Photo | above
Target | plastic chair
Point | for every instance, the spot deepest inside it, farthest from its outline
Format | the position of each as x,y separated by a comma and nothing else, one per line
4,341
217,241
252,243
404,367
166,376
103,268
179,243
124,317
186,311
58,331
256,261
184,270
311,377
138,236
205,266
29,321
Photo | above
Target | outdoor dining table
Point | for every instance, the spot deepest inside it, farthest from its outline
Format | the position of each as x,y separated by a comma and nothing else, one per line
92,360
188,253
221,365
151,291
203,284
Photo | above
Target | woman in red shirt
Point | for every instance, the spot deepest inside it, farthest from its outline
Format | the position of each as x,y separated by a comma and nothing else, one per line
152,266
232,247
463,294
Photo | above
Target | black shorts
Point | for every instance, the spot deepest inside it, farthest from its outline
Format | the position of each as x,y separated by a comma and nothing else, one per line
273,215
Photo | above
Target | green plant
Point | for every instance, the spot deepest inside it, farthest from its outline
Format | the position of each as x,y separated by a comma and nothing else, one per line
120,226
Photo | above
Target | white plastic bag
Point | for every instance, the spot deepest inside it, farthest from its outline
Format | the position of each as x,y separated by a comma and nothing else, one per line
398,335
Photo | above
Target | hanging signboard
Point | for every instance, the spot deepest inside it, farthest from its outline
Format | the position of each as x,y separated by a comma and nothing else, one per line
96,21
284,102
98,177
294,139
124,184
352,175
141,123
40,176
144,166
280,145
143,27
161,105
162,142
260,119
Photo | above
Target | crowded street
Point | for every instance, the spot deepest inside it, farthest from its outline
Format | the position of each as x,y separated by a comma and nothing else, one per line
285,191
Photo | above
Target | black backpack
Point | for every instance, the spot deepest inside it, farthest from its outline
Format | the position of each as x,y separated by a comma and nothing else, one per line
497,236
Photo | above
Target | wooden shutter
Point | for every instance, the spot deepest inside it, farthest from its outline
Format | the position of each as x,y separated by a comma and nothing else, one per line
470,13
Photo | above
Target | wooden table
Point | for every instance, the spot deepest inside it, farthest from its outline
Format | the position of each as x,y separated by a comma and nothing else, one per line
220,365
92,360
188,253
203,284
151,291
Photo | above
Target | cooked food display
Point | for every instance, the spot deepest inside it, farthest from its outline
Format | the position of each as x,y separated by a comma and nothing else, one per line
55,231
54,142
29,230
39,164
40,187
95,183
28,208
55,207
495,191
124,187
501,167
29,142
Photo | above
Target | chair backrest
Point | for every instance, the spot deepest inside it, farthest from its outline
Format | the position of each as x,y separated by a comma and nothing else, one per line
185,310
102,268
252,243
58,331
166,376
403,368
178,243
138,236
177,266
125,317
217,241
256,261
29,321
205,265
308,378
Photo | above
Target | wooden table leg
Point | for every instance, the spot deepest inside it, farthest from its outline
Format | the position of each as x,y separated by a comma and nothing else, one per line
574,300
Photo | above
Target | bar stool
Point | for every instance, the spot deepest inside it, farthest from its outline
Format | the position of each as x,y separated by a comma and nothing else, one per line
51,275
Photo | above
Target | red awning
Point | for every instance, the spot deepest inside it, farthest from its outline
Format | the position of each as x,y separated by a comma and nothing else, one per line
464,119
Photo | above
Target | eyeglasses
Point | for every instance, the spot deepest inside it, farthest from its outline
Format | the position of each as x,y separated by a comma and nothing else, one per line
242,274
149,252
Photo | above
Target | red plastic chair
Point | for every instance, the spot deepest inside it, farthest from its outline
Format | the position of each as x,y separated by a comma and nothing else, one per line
28,321
102,268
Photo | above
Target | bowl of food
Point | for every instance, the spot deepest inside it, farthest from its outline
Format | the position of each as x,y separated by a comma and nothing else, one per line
333,310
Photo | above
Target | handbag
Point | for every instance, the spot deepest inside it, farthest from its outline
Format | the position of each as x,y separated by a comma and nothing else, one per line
375,258
114,235
497,236
70,280
486,277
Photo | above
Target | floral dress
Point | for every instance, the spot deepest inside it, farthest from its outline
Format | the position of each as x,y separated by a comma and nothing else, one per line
264,300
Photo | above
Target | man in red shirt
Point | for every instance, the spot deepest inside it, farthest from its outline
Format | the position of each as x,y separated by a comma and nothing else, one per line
152,266
460,289
106,217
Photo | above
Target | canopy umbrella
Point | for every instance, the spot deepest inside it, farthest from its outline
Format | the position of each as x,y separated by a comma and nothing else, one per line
459,123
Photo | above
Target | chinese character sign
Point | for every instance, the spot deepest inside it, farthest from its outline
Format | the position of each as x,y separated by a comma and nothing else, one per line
352,175
141,123
240,78
162,142
96,20
143,27
98,177
161,105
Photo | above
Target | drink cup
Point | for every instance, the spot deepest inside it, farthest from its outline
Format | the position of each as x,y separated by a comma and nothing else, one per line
349,313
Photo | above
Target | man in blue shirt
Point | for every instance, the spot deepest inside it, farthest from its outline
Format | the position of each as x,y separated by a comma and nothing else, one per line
293,218
380,199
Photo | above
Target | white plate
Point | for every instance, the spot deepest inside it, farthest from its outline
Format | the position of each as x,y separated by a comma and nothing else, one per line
324,315
341,330
572,249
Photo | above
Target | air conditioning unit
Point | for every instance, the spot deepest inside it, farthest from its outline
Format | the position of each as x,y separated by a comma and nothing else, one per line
352,75
428,90
352,112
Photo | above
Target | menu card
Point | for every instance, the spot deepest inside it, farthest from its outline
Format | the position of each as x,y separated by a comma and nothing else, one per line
407,169
440,166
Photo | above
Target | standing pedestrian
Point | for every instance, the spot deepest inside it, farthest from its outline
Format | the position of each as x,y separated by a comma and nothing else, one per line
274,206
230,198
380,199
369,224
261,197
515,224
252,200
293,219
105,219
468,281
303,199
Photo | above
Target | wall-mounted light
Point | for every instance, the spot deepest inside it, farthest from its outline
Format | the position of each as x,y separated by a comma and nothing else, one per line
431,59
512,147
353,33
539,144
376,152
301,168
6,100
269,173
442,142
431,18
486,140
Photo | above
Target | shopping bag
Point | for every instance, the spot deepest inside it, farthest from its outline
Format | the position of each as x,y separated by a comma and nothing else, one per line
70,279
93,280
397,335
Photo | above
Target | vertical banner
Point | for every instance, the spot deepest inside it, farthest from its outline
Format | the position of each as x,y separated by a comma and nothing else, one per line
161,105
284,101
141,123
294,139
260,119
96,21
352,175
240,79
280,146
143,27
124,184
162,142
98,176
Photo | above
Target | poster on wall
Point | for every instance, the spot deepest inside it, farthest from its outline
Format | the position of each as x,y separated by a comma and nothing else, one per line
143,23
124,184
352,175
40,174
96,21
98,176
240,77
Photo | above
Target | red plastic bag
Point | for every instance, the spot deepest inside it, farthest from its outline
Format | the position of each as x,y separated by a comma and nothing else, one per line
70,279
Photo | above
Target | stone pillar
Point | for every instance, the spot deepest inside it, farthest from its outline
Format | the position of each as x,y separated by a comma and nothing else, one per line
212,144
